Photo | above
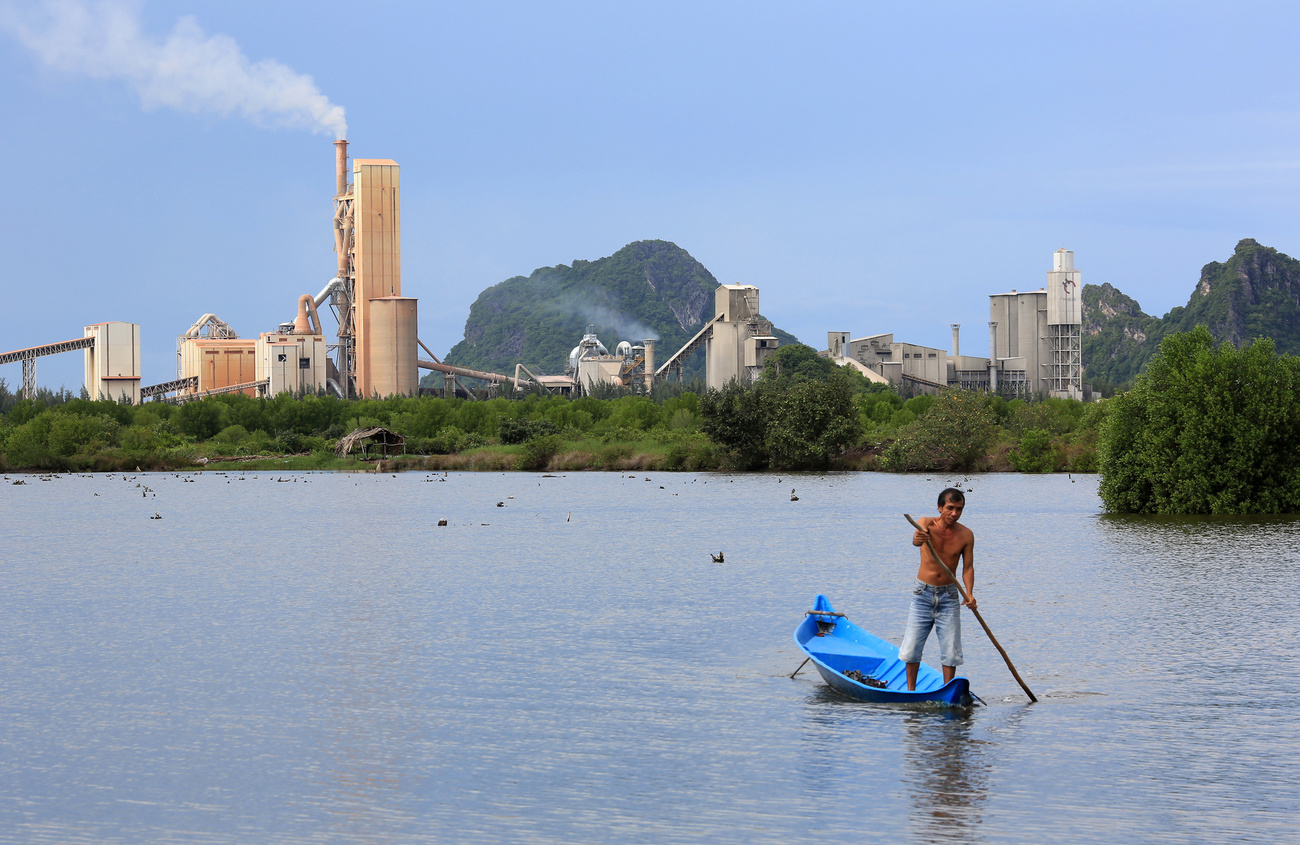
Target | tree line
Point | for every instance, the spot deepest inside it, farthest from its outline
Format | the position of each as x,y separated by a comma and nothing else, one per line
1206,429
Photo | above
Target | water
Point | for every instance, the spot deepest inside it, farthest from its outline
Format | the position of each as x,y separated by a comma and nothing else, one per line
309,658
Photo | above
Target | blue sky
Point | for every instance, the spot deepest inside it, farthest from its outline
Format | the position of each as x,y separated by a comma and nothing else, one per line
871,167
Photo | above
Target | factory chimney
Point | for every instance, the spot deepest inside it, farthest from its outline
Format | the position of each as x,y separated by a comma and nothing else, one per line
993,356
649,363
956,349
340,167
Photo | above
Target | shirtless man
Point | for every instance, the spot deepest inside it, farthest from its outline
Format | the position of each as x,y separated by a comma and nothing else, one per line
936,601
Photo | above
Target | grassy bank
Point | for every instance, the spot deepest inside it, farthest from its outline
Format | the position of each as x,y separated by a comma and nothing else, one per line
885,431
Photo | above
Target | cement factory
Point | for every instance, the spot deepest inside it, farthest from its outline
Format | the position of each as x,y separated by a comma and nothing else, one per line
1034,345
1034,337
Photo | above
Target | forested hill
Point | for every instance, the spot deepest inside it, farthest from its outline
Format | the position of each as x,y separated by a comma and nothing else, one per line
648,289
1255,293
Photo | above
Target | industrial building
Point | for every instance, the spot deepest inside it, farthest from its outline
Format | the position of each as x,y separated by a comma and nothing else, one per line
591,364
113,362
1034,335
376,342
1034,345
889,360
737,341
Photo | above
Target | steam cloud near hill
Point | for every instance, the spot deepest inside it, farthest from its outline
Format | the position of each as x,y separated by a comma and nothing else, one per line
628,328
189,70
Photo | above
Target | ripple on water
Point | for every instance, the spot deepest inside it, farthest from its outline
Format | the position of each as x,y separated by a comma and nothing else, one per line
321,662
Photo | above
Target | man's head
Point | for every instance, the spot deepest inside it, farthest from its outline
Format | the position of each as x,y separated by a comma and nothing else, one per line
951,503
951,494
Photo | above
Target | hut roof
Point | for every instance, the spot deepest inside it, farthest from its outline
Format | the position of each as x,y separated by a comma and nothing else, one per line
374,434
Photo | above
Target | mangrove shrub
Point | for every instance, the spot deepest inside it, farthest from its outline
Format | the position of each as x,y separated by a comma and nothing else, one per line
1206,429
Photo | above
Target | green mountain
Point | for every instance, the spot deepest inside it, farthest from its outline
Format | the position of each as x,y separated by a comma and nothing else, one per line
1254,294
648,289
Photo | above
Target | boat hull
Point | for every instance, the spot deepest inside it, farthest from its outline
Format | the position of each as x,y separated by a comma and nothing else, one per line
835,645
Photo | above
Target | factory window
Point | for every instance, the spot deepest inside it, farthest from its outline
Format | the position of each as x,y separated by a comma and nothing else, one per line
304,363
934,354
282,357
907,354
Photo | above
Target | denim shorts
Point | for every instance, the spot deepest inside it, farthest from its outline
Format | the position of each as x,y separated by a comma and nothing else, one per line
938,608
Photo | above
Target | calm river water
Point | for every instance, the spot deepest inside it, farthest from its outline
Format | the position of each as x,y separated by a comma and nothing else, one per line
309,658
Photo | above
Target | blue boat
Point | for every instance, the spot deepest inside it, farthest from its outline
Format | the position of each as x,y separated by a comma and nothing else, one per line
836,646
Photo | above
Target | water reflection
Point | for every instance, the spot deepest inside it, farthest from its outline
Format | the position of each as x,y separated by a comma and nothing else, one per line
944,766
946,770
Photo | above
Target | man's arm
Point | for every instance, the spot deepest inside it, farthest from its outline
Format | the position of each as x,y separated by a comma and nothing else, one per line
968,571
920,535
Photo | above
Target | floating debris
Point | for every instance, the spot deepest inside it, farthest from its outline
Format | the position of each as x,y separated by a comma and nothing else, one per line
855,675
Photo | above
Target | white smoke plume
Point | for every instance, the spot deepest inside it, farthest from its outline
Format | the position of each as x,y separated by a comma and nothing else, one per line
189,70
607,316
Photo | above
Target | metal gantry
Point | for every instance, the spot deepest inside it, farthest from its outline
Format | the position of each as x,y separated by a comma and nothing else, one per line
29,356
1065,369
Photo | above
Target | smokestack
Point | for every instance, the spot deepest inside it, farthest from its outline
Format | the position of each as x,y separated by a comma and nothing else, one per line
649,363
340,167
956,349
993,355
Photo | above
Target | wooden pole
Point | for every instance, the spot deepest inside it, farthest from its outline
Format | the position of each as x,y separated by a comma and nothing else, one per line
965,597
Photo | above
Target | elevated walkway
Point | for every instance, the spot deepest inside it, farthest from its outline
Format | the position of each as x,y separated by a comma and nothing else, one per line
678,358
922,381
28,357
260,386
156,390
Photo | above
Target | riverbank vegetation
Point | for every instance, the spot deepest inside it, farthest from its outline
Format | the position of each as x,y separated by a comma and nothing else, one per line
1207,429
805,413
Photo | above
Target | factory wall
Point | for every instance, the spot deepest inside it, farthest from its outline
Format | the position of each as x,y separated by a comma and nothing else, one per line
1064,283
730,351
291,363
871,351
112,365
391,347
895,360
922,362
603,369
1021,334
376,210
220,362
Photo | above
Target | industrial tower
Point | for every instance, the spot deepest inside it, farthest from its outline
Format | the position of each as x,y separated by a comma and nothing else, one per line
1064,319
377,325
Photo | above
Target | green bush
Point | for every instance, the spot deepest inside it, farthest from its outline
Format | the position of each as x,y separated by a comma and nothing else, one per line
512,431
1206,429
736,418
72,434
812,423
1034,453
27,444
954,435
537,453
231,434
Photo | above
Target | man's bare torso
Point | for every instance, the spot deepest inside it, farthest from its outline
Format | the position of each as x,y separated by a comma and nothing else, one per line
951,540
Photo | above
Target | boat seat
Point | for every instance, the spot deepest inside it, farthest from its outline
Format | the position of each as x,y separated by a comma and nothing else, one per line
834,645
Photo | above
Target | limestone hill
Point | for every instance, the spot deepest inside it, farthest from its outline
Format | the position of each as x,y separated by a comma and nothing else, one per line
648,289
1254,294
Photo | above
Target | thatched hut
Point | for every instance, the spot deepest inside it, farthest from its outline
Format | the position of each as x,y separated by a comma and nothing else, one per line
387,442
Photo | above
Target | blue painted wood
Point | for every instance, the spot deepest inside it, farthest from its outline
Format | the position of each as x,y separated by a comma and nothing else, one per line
837,646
